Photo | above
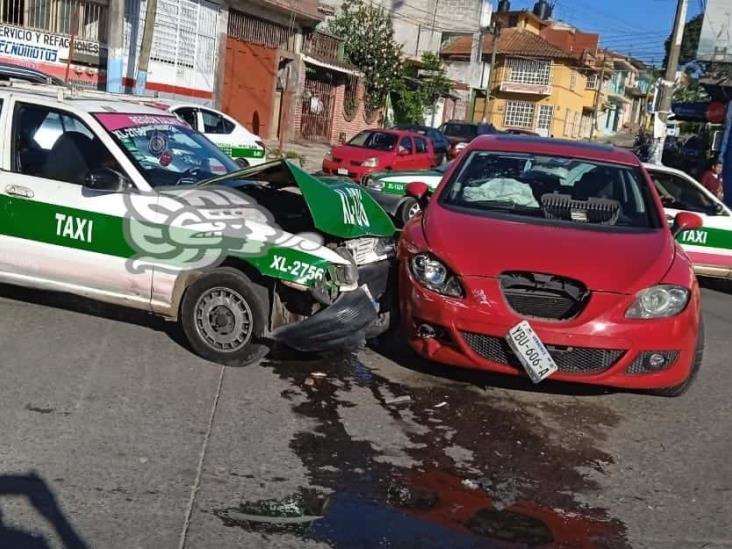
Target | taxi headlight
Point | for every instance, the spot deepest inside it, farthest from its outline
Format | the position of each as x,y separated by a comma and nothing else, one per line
660,301
434,275
375,184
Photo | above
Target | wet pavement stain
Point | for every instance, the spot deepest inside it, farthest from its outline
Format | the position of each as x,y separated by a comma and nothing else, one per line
487,471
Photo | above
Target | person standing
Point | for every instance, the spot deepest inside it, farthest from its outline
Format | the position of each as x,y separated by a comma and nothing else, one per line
712,179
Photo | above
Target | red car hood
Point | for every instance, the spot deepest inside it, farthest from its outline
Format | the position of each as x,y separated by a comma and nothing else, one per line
602,260
359,154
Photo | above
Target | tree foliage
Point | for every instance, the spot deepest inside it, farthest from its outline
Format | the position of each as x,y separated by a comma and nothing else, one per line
420,88
369,44
689,41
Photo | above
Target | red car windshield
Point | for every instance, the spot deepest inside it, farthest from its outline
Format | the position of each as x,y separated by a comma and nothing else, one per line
380,141
552,188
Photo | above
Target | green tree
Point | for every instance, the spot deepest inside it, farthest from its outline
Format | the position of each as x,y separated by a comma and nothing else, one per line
369,44
689,42
419,89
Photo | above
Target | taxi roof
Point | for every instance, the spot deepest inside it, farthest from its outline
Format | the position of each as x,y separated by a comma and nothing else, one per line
90,101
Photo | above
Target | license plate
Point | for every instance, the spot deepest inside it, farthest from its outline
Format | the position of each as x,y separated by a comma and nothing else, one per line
342,171
532,353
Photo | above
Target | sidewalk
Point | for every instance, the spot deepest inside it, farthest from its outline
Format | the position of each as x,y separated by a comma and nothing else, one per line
622,139
309,154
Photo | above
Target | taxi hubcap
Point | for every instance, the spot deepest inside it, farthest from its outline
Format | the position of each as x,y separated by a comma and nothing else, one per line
414,210
223,319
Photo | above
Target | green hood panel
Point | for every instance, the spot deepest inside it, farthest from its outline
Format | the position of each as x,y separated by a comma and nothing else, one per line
339,208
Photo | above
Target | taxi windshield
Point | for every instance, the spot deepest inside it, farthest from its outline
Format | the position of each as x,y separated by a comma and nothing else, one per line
165,149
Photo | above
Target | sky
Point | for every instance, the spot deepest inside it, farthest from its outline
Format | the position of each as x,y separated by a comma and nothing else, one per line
637,27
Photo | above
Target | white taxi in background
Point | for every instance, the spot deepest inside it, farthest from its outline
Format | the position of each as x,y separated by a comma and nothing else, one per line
244,147
710,247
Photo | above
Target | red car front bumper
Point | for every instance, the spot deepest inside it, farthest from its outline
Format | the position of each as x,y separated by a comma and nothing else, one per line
600,344
357,173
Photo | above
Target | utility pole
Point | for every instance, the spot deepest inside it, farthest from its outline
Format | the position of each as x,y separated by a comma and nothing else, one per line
495,30
434,23
598,94
72,42
145,47
667,85
115,53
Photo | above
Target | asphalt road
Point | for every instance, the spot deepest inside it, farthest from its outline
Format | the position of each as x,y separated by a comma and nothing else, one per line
114,436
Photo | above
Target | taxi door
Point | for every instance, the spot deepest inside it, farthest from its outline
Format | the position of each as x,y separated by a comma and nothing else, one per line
57,233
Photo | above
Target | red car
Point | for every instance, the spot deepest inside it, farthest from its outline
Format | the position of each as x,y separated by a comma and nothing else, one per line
551,258
380,150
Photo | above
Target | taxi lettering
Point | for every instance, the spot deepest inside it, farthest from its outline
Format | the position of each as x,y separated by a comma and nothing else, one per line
694,237
75,228
353,211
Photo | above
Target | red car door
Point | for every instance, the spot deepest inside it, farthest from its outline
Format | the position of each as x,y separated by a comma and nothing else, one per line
424,156
404,159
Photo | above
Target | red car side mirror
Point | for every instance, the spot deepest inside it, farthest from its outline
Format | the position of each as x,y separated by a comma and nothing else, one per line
684,221
417,189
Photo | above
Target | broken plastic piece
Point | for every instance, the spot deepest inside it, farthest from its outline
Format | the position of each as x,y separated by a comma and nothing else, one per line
399,400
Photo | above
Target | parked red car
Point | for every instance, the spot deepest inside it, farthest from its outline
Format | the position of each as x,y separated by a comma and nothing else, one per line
380,150
551,258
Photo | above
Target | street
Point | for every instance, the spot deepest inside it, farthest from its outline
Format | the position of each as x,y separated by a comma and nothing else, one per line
115,435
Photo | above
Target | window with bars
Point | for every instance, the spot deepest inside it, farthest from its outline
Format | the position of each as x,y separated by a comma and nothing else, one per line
528,71
591,82
544,121
573,80
576,125
87,19
567,120
185,33
519,114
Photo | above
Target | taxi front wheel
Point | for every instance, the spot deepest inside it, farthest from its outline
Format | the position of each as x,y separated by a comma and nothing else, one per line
223,315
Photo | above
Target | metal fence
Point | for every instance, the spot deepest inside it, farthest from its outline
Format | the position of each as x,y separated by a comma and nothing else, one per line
248,28
318,100
87,19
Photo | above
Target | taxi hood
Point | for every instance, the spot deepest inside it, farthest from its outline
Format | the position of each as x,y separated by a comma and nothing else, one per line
337,207
604,260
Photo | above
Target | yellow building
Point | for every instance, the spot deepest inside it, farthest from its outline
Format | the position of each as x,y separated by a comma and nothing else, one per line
545,78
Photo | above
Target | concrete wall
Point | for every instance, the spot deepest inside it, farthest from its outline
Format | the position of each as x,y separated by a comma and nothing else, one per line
419,24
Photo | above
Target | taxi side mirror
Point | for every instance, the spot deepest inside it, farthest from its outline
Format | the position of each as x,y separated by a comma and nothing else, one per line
106,180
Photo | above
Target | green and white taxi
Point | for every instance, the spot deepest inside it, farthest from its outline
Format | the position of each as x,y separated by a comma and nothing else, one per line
125,203
244,147
710,248
389,188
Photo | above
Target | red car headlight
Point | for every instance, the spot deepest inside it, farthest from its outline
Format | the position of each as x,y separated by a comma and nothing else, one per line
660,301
431,273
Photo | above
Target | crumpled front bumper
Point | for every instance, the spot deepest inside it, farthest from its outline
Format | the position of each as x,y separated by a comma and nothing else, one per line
352,318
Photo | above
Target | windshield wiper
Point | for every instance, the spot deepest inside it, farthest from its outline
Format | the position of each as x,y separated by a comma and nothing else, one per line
504,205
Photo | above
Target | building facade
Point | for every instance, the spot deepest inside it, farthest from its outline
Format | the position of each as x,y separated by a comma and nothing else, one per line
536,86
63,38
422,26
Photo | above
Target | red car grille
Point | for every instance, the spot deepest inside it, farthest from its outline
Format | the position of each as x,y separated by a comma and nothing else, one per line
570,360
544,296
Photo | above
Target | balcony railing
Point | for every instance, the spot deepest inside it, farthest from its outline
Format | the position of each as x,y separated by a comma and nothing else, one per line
323,45
521,87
